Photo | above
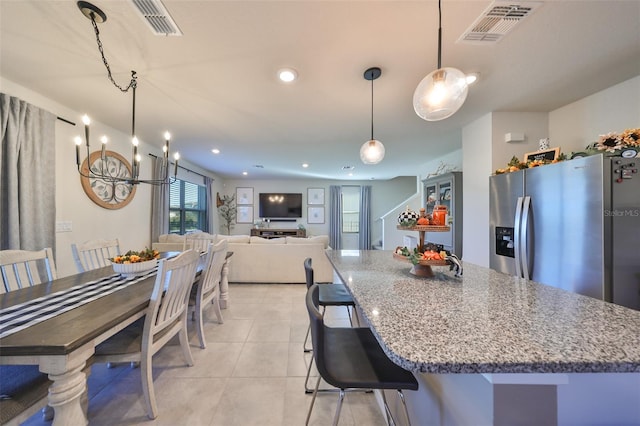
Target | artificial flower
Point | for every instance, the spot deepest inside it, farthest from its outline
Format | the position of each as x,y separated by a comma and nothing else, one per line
630,137
611,142
136,256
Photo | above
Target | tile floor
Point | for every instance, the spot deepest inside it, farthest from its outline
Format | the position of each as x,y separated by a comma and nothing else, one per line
251,373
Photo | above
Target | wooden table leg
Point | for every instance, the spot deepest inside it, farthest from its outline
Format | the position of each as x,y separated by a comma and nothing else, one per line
68,387
224,285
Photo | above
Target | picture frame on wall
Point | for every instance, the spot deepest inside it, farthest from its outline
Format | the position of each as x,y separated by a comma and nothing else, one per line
244,196
315,214
315,196
245,214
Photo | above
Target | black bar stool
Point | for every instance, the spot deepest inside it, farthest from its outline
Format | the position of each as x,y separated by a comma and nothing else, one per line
351,358
330,294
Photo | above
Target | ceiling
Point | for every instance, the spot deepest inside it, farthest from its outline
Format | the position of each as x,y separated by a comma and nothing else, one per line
216,86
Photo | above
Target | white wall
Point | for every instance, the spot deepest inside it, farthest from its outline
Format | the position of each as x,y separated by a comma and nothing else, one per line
476,167
534,125
131,224
579,124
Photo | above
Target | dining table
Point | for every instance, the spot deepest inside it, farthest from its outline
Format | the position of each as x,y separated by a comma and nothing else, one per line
57,325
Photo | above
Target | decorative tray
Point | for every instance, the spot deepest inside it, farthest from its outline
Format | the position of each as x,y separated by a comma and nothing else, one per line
432,228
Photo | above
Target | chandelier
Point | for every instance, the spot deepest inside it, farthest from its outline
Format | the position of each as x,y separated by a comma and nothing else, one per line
103,168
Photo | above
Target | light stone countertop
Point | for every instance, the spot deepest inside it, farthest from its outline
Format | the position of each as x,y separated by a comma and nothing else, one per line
486,321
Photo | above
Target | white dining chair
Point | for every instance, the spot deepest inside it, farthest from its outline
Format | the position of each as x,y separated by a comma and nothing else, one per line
166,317
199,241
24,268
207,291
94,254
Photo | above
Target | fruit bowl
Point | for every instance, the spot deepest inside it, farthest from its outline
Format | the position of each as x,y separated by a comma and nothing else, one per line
133,269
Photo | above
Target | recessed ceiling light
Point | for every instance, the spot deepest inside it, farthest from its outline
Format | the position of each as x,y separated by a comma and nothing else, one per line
350,174
215,151
305,165
245,173
287,75
472,77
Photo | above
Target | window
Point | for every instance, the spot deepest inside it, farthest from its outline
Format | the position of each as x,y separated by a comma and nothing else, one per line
351,209
187,207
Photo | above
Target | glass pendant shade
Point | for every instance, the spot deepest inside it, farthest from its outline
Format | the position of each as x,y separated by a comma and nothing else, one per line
372,152
440,94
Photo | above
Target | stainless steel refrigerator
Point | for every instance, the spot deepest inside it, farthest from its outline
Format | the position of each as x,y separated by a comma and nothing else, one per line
574,225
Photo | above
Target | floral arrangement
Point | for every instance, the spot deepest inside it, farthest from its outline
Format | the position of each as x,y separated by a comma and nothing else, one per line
612,142
136,256
515,164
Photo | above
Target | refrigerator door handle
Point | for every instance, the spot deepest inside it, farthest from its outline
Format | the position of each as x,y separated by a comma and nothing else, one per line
524,238
516,236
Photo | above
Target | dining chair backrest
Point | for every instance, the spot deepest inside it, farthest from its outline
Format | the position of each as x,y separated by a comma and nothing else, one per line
216,255
199,241
94,254
208,289
24,268
170,297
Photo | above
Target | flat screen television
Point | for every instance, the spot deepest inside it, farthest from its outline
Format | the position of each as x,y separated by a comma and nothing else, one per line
276,205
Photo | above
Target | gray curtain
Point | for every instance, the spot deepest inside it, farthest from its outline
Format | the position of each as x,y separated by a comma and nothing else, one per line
364,242
159,203
211,205
335,216
27,176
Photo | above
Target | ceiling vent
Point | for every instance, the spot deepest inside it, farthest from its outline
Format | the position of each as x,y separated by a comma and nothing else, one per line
156,16
497,21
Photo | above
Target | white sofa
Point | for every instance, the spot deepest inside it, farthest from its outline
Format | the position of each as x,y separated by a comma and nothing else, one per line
261,260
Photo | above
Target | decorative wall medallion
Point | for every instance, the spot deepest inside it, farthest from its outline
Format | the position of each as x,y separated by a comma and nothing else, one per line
106,194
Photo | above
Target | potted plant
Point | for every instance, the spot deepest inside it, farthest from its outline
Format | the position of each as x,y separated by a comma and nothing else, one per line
228,212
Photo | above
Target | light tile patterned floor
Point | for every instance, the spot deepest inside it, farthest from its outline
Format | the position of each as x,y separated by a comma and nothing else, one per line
252,372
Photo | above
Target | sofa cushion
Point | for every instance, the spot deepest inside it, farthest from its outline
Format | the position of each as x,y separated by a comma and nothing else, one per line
260,240
235,239
319,239
171,238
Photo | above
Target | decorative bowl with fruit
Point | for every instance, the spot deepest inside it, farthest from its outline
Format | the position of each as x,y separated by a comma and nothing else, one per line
134,263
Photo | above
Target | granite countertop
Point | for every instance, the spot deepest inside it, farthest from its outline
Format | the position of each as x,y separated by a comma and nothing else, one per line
486,321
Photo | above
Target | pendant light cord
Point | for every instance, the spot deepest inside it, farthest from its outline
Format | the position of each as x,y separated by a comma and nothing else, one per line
133,82
372,108
439,35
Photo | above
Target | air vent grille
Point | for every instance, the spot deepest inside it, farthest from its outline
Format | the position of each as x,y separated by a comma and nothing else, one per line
497,21
156,16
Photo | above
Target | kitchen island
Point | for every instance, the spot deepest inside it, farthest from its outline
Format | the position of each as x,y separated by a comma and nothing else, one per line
496,348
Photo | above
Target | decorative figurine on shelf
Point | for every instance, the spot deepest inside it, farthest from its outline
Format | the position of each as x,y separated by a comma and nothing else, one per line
408,218
544,144
424,219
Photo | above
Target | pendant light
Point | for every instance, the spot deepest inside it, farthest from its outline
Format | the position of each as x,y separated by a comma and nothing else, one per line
441,93
372,151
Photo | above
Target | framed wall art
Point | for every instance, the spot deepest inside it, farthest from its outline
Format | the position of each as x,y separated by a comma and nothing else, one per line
244,196
315,214
315,196
245,214
107,194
